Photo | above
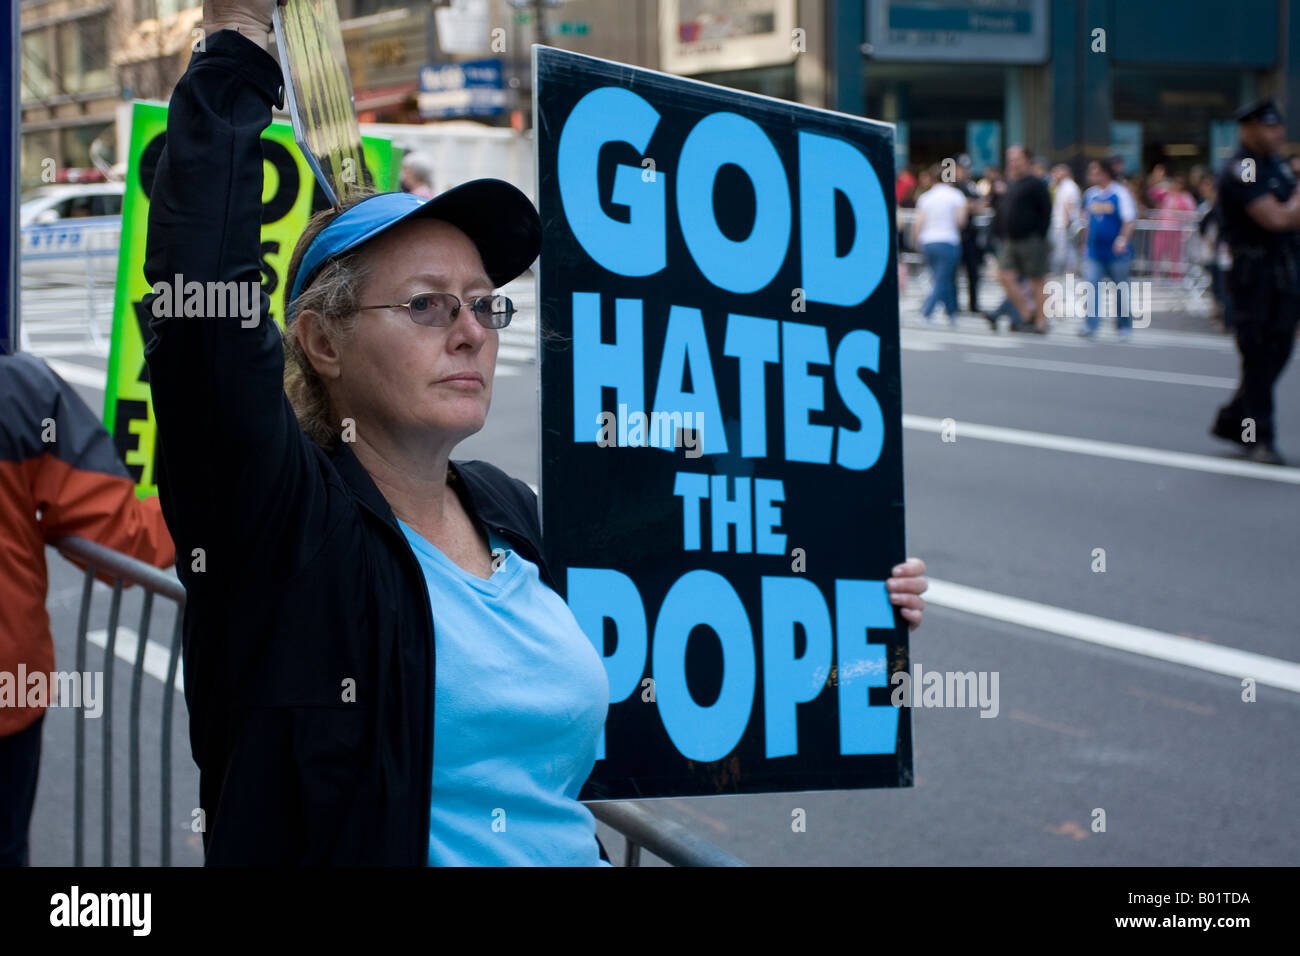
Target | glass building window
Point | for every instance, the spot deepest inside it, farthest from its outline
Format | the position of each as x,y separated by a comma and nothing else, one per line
37,80
83,54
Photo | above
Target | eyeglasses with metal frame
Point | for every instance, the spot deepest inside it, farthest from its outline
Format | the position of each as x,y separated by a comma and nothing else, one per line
439,309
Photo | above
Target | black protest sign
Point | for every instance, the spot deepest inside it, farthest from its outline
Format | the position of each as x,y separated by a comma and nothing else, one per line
722,488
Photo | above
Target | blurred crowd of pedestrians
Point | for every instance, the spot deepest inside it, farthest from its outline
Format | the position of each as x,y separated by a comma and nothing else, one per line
1037,221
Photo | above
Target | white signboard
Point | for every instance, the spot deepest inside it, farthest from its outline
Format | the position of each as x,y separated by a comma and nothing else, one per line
698,36
463,27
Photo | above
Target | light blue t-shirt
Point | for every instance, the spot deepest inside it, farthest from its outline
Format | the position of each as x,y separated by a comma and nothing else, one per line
520,698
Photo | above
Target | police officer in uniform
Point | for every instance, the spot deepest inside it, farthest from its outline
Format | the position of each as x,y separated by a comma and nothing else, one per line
1260,206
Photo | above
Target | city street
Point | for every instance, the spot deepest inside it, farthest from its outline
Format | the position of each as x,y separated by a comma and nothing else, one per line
1121,690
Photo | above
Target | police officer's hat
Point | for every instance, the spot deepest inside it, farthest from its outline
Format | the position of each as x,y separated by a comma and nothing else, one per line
1264,111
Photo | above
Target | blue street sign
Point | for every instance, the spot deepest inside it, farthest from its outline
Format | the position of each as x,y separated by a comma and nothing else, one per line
984,143
473,88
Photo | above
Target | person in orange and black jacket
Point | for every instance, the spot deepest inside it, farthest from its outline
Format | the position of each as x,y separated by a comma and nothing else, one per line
59,475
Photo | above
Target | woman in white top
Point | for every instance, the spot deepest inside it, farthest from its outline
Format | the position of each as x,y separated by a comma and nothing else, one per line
940,216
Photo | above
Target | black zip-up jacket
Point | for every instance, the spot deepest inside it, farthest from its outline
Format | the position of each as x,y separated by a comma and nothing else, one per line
308,635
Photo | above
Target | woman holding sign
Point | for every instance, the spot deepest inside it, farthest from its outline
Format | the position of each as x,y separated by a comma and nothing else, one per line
327,539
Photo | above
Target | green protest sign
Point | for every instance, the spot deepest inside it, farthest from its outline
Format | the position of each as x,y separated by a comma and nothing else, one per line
289,196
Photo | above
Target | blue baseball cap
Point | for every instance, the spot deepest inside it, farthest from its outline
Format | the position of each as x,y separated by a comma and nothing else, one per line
499,219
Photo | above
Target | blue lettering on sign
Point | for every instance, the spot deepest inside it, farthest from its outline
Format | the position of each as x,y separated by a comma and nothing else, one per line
703,733
803,345
768,492
859,450
860,606
828,166
705,598
790,680
754,342
685,344
599,593
597,365
638,247
752,263
610,115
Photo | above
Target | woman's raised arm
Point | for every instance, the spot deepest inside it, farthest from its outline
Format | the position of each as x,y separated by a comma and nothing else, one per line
236,475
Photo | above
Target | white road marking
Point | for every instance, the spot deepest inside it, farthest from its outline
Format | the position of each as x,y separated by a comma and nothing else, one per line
914,343
1106,371
975,333
76,374
1105,449
925,338
46,349
155,655
1169,338
1215,658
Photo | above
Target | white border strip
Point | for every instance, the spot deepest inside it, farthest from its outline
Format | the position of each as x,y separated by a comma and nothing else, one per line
1214,658
1105,371
1105,449
155,655
77,374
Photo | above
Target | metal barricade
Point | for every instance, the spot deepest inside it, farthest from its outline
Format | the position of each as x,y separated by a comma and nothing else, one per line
125,572
1168,251
669,841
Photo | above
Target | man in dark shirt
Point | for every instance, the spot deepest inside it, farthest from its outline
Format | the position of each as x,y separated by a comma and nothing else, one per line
1260,209
972,253
1023,217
